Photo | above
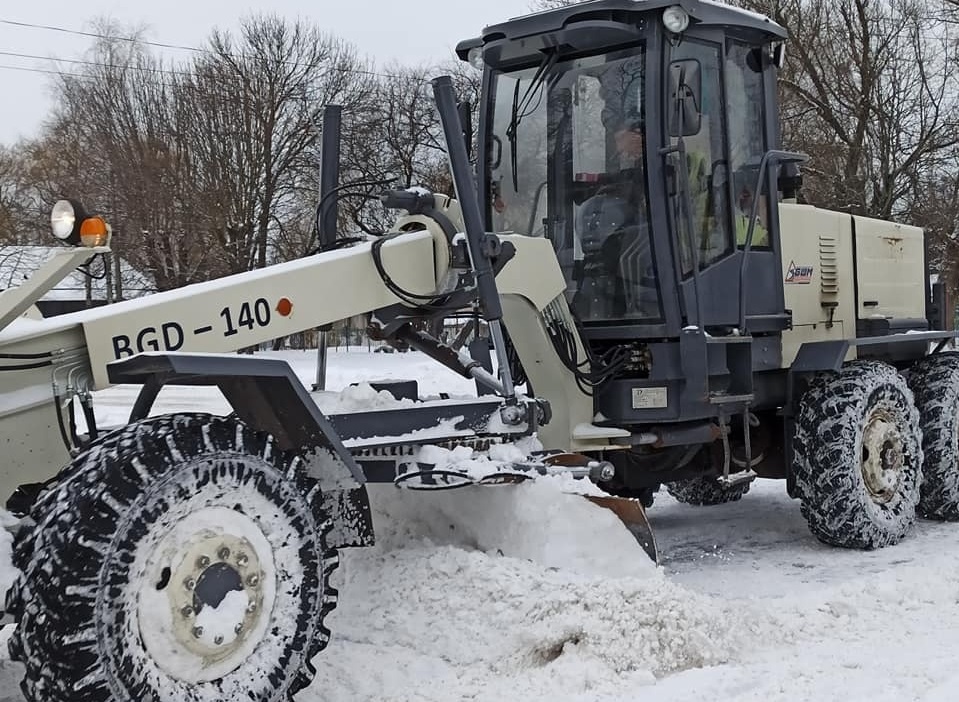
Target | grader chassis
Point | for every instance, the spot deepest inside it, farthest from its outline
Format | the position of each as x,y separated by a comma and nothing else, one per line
187,556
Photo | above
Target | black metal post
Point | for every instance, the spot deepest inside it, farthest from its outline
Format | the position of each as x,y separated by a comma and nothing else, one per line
329,210
329,172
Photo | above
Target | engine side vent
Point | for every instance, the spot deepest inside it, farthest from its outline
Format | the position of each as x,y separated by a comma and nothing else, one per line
828,266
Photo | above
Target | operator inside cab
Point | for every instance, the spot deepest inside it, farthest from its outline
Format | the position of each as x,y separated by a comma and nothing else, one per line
614,275
569,163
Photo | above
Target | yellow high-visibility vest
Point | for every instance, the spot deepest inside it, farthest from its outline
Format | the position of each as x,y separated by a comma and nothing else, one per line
760,235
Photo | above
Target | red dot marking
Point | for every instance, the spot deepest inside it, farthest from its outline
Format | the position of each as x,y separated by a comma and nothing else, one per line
284,307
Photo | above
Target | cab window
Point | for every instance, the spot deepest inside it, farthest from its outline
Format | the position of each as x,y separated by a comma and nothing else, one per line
747,140
706,167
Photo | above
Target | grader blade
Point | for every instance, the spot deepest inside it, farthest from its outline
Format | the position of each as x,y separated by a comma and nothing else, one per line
633,516
630,512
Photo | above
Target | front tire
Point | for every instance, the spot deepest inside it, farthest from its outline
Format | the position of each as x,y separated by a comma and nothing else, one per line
857,456
181,558
935,382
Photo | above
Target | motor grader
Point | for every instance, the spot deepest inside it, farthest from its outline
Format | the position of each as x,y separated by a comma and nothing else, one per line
662,311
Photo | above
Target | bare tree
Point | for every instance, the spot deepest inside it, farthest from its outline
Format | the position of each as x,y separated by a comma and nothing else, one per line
130,165
869,90
260,99
198,165
210,167
18,223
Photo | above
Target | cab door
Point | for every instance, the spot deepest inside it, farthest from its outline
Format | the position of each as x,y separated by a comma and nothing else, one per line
715,185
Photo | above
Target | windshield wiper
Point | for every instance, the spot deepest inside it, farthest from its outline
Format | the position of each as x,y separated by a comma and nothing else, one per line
521,108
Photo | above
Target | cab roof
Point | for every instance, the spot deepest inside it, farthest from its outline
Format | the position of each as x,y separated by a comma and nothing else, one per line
522,30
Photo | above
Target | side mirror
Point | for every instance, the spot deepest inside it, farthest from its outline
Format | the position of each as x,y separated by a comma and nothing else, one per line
685,97
779,55
465,110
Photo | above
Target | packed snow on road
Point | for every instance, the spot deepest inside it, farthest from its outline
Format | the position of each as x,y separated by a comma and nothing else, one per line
528,593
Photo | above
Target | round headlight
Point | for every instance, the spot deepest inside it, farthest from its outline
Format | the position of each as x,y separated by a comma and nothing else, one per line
675,19
63,218
475,58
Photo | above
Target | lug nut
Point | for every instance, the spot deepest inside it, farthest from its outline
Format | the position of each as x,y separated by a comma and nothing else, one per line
218,640
203,561
223,553
197,631
253,580
242,560
250,608
238,628
187,611
189,583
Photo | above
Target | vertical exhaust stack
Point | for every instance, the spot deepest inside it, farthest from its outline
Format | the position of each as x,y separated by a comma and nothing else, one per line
328,211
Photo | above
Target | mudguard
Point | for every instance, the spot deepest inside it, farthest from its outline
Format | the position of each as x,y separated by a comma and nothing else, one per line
266,394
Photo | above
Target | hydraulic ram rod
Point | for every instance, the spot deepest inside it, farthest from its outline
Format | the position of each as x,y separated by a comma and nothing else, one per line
465,186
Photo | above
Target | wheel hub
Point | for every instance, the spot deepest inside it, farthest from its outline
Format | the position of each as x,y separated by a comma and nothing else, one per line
208,595
882,456
219,593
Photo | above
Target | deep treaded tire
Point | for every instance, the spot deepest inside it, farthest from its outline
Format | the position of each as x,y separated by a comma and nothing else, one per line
857,456
182,558
935,383
706,491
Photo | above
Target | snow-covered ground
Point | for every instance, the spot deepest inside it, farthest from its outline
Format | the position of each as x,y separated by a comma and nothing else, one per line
522,593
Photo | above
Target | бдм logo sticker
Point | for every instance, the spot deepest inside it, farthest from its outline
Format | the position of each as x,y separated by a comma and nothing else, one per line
798,274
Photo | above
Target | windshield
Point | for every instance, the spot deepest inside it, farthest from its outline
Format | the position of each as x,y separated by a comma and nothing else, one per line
568,162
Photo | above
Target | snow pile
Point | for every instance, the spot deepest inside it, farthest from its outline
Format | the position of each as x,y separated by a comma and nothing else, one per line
475,464
632,625
361,397
490,627
8,573
443,429
507,456
522,592
10,673
534,521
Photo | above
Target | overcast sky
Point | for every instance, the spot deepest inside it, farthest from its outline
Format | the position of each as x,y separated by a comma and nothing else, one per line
412,31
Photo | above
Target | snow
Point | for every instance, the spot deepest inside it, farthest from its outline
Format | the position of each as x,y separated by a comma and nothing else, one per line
524,593
535,522
220,622
442,429
473,464
7,572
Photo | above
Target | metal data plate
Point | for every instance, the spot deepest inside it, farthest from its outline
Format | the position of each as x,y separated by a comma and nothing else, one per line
650,398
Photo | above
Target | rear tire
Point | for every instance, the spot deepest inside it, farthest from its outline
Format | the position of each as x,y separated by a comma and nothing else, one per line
706,491
181,558
935,382
857,456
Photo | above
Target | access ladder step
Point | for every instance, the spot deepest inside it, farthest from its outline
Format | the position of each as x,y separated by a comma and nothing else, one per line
734,479
727,399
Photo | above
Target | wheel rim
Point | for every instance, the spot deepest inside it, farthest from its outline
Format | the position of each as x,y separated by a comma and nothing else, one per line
208,594
882,455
